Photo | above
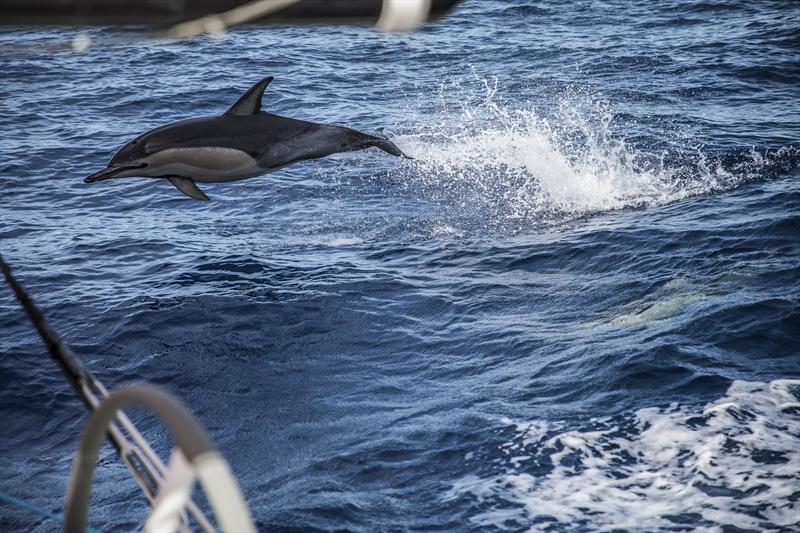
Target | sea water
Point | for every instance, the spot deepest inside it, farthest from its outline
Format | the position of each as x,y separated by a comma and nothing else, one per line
576,308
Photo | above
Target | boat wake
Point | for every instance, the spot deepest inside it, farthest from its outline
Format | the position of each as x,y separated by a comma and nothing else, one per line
735,462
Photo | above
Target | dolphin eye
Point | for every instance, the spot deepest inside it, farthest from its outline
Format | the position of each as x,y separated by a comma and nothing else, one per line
134,141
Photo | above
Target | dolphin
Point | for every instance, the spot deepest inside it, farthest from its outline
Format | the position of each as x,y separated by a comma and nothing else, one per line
244,142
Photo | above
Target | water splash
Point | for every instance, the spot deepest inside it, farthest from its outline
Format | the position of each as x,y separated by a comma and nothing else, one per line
553,162
735,462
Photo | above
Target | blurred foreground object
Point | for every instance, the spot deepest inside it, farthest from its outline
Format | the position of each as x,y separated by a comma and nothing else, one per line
167,487
192,17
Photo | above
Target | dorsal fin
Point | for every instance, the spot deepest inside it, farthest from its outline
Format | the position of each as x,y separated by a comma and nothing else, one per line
250,102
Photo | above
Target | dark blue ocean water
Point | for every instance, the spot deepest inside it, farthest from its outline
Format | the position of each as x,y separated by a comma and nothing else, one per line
578,308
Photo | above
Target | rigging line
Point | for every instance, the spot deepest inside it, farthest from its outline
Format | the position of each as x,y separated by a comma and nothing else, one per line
75,372
87,387
81,379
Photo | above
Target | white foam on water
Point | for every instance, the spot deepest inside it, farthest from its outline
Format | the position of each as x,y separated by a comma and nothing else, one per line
343,240
546,164
735,462
335,240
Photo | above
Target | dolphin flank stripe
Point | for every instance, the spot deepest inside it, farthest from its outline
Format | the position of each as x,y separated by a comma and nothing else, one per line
244,142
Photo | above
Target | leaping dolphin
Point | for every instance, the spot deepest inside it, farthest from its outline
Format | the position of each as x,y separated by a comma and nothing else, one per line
243,142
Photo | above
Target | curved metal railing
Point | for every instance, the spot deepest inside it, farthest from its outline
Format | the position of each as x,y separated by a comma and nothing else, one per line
166,489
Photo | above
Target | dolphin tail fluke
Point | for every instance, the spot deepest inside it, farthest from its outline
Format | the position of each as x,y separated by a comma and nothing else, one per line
387,146
188,187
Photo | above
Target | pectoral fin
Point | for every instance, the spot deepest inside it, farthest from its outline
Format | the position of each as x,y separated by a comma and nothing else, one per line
188,187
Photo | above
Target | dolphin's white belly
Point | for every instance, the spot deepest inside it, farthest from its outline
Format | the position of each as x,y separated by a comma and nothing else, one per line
204,164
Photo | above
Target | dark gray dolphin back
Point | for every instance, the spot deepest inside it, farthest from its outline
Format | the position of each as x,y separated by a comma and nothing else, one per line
252,134
272,140
318,141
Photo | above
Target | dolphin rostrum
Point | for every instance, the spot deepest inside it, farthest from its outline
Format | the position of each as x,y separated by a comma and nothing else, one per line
243,142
